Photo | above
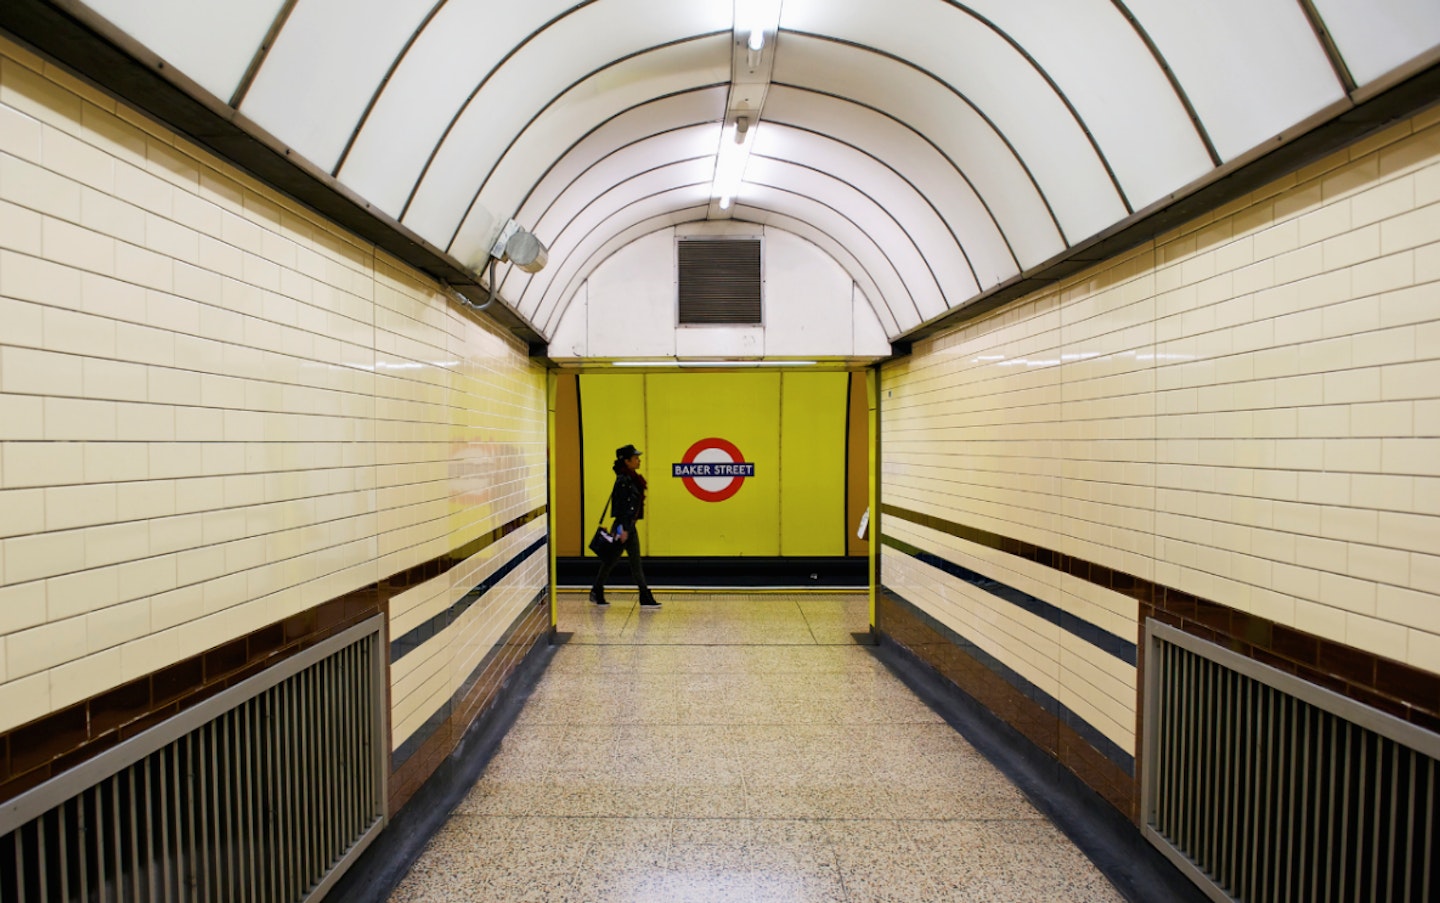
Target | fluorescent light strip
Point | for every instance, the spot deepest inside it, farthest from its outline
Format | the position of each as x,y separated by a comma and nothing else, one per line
713,364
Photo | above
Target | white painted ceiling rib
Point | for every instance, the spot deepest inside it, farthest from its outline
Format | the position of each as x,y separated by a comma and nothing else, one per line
937,150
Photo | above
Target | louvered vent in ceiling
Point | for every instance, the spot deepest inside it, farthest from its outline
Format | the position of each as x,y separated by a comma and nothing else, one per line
719,281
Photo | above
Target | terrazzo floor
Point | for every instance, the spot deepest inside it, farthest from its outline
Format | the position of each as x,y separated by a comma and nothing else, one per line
738,747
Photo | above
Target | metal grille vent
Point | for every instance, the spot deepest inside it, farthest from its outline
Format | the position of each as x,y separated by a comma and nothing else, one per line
1263,787
719,281
279,785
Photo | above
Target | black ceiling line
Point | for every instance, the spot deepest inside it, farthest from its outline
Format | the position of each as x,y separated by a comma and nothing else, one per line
601,159
263,51
476,92
857,190
564,296
908,293
80,41
1019,160
1400,101
1327,43
1173,79
569,289
384,83
630,178
460,224
879,295
1064,98
553,320
959,245
530,192
959,171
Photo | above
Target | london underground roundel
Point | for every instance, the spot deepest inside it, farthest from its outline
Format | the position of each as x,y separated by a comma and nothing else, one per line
713,470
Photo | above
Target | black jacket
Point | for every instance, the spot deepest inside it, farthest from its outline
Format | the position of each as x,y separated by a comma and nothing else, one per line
627,500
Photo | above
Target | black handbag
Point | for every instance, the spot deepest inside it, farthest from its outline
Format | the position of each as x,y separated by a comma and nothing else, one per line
606,545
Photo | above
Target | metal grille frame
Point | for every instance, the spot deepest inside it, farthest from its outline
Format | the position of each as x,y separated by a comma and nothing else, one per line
1263,787
719,280
265,792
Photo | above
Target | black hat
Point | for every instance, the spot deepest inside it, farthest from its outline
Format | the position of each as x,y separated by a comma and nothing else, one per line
626,451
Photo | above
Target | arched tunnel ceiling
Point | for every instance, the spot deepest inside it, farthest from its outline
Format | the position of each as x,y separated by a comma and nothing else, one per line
941,152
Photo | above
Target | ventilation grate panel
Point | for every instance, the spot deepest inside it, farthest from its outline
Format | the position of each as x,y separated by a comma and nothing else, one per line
267,798
1268,789
719,281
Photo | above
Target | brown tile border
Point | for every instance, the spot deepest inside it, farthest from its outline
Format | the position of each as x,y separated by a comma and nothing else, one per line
1402,690
33,753
899,621
468,705
46,747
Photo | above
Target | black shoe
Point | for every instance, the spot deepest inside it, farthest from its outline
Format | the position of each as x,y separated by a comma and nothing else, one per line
597,595
648,601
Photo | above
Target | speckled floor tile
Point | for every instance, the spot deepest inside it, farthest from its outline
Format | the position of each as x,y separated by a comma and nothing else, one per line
738,747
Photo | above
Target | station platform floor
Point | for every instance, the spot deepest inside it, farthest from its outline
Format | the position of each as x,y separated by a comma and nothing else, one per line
738,747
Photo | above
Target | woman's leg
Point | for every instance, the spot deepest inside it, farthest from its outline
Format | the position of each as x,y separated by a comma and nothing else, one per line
597,591
637,570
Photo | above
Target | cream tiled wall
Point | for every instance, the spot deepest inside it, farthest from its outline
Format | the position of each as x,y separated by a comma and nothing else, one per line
1246,409
216,409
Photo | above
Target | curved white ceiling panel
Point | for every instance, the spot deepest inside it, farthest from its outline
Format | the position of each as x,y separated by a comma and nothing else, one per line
1376,37
1116,86
592,231
211,41
1252,68
555,202
446,64
324,68
922,226
933,109
917,161
942,151
569,51
993,77
685,174
881,269
847,206
681,68
655,120
840,252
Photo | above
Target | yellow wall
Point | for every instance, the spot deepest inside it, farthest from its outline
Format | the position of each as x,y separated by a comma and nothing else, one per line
791,425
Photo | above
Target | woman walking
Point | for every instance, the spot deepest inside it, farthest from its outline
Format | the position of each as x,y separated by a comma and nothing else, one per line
627,501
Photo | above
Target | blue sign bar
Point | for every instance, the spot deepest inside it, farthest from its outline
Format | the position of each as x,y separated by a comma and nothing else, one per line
713,469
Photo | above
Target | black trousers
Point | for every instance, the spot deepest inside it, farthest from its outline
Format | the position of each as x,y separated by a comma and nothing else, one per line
632,551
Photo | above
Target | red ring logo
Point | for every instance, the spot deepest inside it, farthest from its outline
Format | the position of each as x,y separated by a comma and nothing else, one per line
732,461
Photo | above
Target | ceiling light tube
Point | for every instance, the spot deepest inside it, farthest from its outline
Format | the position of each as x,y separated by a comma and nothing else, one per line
730,161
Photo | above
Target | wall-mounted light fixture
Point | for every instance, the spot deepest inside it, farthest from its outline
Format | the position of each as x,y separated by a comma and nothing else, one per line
514,245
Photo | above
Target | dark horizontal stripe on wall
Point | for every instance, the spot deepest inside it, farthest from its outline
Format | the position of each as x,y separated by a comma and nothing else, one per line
1098,574
1404,691
429,570
443,714
1045,701
50,745
1093,634
416,637
763,570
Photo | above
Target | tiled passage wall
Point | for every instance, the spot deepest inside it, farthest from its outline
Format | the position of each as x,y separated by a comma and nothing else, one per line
227,425
1235,428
